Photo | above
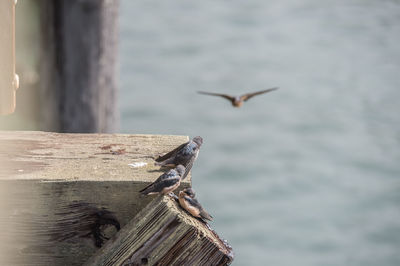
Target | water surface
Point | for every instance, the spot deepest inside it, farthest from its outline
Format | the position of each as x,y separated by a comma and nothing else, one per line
306,175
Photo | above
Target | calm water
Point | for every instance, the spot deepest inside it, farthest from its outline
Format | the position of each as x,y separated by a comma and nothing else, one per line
306,175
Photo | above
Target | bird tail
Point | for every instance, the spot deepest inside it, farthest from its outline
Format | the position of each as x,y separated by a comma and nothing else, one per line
158,163
205,215
165,163
147,189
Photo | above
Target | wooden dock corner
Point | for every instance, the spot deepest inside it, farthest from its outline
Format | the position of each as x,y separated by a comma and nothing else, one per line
164,234
59,191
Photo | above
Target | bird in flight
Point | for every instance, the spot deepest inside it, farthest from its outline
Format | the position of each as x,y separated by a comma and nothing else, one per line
237,101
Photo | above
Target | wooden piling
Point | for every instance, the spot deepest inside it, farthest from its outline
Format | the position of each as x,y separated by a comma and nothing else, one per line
78,65
164,234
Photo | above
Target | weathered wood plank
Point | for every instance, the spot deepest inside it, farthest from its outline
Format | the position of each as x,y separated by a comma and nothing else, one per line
36,155
49,183
164,234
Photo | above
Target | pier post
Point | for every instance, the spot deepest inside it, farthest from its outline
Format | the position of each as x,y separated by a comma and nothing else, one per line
164,234
78,83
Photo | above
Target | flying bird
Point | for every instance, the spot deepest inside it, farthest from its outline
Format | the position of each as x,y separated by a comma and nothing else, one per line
185,155
237,101
189,203
166,183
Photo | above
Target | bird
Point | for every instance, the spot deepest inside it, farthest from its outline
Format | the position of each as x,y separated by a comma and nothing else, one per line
165,183
190,204
237,101
184,154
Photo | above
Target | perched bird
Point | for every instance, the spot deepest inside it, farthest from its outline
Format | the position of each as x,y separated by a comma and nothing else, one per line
166,183
185,155
237,101
189,203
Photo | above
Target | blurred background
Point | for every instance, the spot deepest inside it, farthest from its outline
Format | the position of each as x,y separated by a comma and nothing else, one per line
306,175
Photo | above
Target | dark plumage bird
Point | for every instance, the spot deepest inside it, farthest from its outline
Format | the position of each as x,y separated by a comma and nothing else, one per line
185,155
189,203
237,101
166,183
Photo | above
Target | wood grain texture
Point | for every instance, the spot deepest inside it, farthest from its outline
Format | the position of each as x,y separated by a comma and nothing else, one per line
164,234
35,155
53,186
79,65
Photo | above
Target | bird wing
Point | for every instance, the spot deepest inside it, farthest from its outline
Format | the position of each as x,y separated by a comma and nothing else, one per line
247,96
193,202
226,96
196,204
168,175
188,166
205,215
158,186
171,153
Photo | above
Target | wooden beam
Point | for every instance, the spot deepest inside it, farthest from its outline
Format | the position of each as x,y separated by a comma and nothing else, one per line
164,234
78,65
55,188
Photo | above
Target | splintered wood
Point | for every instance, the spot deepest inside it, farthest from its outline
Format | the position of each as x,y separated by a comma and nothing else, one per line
164,234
